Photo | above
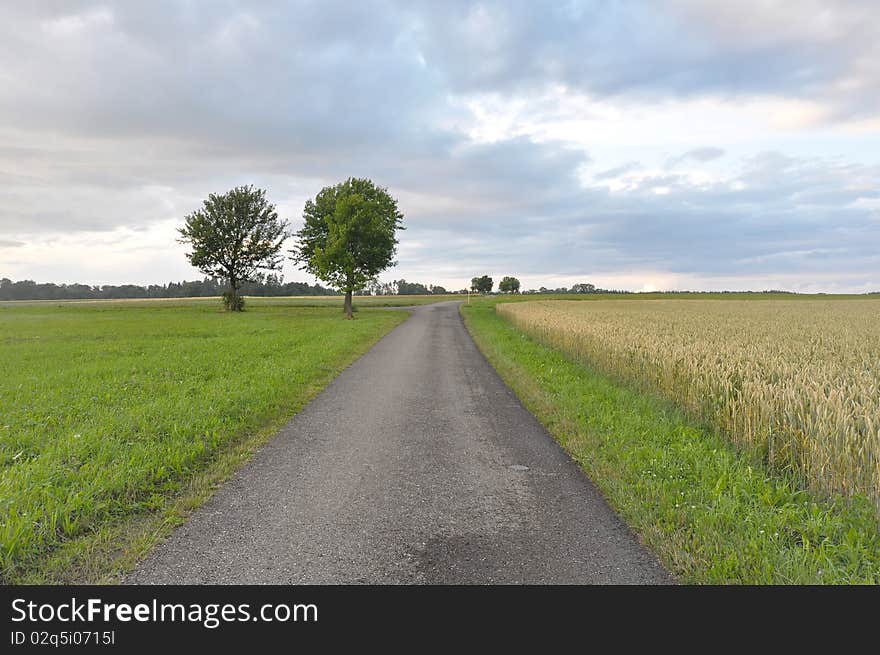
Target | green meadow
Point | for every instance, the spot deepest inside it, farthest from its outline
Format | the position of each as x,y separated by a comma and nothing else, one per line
110,410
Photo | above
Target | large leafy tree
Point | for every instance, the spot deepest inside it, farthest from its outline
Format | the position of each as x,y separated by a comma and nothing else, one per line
509,285
349,235
235,235
482,284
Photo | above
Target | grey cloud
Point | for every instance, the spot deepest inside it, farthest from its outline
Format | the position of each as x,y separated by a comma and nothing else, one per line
701,155
762,222
5,243
263,80
279,77
672,49
126,114
728,229
617,171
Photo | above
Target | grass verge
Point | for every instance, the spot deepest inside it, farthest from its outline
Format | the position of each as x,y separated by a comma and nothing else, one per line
117,419
712,514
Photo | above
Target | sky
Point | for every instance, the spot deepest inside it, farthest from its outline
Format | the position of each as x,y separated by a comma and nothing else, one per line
632,145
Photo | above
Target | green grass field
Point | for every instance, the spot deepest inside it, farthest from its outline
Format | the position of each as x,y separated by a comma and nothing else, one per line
109,410
712,512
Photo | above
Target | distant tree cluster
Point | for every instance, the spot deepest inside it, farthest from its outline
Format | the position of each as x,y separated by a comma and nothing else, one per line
579,288
482,284
401,288
510,284
264,285
773,291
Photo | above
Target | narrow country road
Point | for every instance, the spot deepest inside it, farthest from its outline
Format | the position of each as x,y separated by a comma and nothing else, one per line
416,465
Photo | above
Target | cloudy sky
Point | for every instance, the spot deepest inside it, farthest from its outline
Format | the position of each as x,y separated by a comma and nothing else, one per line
639,145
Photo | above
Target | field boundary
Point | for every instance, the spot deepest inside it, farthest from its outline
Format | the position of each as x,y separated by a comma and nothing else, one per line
711,512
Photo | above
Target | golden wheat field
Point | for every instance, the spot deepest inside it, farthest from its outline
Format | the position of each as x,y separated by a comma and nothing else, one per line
797,379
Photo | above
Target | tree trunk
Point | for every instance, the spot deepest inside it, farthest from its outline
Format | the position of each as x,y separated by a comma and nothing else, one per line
347,307
234,305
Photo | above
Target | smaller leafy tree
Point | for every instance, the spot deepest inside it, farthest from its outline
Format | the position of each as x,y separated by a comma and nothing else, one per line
349,235
405,288
482,284
234,236
508,285
583,287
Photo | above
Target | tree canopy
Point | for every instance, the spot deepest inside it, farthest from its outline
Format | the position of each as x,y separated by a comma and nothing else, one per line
235,235
482,284
508,285
349,235
583,287
405,288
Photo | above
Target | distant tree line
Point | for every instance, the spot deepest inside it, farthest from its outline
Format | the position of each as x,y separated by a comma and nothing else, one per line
274,285
510,284
765,291
401,288
264,285
582,287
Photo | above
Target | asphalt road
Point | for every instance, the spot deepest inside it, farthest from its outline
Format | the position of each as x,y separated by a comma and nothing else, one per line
416,465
